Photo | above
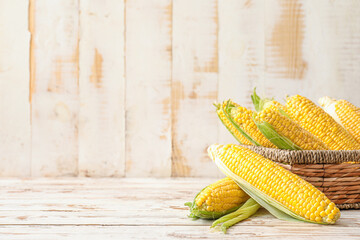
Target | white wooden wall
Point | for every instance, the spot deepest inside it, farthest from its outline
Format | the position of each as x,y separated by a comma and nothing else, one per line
125,88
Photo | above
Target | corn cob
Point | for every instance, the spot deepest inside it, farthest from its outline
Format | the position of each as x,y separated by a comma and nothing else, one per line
280,129
315,120
284,194
240,123
287,128
345,113
217,199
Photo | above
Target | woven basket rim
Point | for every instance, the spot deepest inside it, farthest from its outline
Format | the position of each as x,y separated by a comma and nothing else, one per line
307,156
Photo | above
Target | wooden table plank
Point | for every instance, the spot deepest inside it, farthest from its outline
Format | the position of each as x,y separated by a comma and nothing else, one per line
125,208
169,232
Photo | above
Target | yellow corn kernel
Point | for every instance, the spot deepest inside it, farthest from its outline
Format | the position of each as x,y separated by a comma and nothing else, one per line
316,121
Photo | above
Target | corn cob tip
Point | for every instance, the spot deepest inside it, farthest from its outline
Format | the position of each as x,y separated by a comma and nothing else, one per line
212,150
217,105
263,103
326,101
344,113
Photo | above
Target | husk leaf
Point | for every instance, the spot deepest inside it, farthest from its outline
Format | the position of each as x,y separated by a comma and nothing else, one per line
274,137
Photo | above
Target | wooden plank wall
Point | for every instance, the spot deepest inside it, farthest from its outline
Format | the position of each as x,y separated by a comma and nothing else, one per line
125,88
101,88
15,128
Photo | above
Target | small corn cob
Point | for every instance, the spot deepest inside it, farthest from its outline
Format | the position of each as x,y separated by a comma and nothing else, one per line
345,113
287,128
217,199
284,194
315,120
239,121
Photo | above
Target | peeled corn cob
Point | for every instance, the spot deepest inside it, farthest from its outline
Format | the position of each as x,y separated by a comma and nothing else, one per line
217,199
345,113
284,194
315,120
239,121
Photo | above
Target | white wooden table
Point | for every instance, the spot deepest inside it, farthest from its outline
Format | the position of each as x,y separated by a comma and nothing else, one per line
84,208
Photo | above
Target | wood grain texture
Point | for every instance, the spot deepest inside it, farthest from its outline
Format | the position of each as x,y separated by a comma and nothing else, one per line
148,80
332,45
284,41
102,89
311,52
15,127
285,66
194,87
54,101
74,208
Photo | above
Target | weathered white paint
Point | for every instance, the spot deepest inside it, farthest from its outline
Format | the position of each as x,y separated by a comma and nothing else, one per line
320,48
241,54
102,86
135,209
332,46
54,93
195,86
176,66
148,81
14,89
285,68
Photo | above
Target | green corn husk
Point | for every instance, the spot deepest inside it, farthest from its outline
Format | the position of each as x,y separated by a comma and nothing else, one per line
259,103
196,213
275,138
249,208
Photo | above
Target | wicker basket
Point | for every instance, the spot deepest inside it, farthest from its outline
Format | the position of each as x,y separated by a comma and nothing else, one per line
335,173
